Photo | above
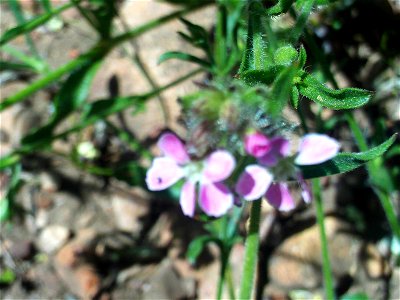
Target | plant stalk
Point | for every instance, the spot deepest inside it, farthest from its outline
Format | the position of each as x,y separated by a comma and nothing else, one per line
251,252
326,266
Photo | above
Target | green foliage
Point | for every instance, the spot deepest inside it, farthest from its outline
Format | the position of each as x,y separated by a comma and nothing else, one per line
281,91
345,162
70,98
31,25
7,276
282,6
285,55
185,57
355,296
6,203
255,56
197,246
346,98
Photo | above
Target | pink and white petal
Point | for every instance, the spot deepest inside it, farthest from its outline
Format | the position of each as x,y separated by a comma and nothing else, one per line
269,160
253,182
305,188
173,147
316,148
188,198
257,144
218,166
280,147
215,199
278,195
163,173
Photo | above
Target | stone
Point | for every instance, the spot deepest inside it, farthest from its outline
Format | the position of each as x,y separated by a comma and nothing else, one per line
48,182
52,238
297,261
375,265
22,250
128,213
166,284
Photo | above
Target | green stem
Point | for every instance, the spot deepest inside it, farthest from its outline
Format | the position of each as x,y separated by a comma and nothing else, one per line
224,264
326,266
251,252
229,279
101,49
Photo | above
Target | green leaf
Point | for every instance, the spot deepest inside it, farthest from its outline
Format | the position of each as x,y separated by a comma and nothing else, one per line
7,276
197,245
355,296
8,160
30,25
285,55
255,55
71,96
345,162
6,203
346,98
281,7
198,37
14,66
35,64
267,77
295,97
301,20
281,91
302,57
184,57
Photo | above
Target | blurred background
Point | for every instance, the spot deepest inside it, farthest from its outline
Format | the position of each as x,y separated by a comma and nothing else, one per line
77,220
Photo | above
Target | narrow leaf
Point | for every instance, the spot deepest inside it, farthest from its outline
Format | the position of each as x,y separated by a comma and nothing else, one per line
184,57
196,247
254,77
281,7
281,91
14,66
8,160
295,97
30,25
346,98
71,96
345,162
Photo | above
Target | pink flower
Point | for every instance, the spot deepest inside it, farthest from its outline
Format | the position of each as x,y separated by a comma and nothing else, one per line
256,181
267,151
215,198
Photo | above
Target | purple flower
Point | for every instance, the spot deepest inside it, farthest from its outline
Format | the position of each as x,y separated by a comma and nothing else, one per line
215,198
257,181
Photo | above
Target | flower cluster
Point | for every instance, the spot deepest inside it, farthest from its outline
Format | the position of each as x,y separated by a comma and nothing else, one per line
206,178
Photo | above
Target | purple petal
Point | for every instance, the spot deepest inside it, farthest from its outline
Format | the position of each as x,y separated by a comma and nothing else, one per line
316,148
219,165
188,198
280,147
253,183
215,199
173,147
163,173
278,195
257,144
305,189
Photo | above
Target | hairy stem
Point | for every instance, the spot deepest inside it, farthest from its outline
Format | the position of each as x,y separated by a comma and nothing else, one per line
326,266
251,252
